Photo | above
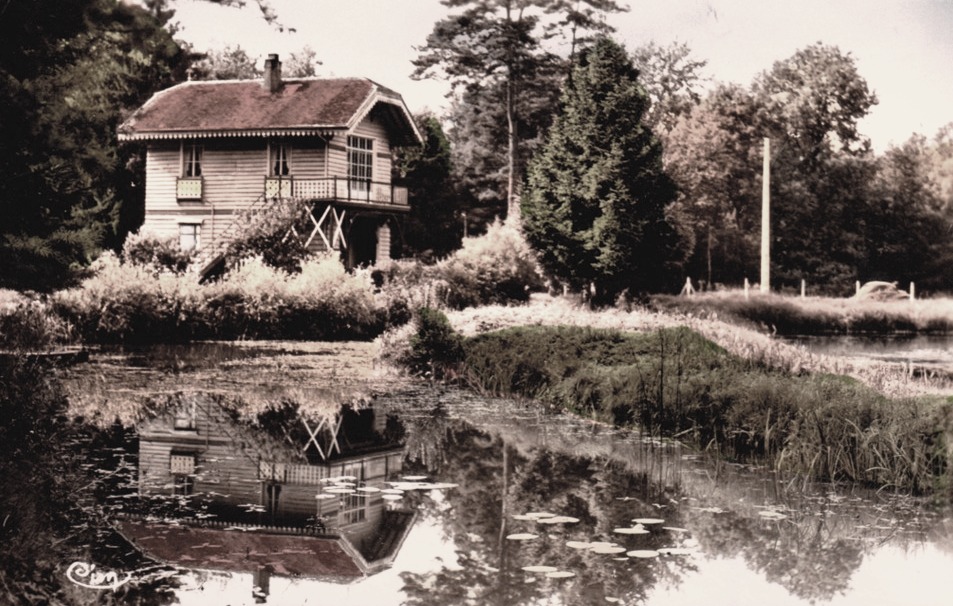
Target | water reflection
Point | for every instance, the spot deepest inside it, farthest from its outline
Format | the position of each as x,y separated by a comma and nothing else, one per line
409,497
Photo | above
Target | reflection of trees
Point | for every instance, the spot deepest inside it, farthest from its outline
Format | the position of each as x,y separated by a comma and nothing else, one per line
496,477
803,554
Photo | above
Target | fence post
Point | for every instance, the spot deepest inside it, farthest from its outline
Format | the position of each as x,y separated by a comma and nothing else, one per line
747,288
803,287
913,291
857,287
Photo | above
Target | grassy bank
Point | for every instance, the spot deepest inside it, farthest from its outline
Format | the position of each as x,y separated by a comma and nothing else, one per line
815,315
674,382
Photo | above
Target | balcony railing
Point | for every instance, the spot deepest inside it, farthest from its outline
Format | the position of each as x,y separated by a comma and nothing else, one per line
336,188
188,188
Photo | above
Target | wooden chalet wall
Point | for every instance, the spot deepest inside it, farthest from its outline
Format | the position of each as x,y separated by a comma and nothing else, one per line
234,172
233,464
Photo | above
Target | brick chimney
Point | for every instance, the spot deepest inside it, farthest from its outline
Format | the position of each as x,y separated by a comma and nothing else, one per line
272,79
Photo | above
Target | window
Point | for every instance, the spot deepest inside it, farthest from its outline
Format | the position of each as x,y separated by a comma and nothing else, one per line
185,418
272,495
189,236
192,155
182,484
360,161
279,160
182,468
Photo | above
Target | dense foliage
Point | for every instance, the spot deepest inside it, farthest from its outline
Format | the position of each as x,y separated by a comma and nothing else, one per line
596,204
68,71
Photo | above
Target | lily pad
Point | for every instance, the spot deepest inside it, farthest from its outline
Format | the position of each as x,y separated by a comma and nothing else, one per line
675,551
538,515
392,491
648,521
578,544
607,549
674,529
631,530
540,568
642,553
558,520
391,497
368,489
340,490
560,574
771,514
521,536
522,517
414,478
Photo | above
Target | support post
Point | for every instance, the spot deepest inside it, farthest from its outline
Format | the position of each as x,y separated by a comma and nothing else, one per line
803,287
913,292
766,219
747,289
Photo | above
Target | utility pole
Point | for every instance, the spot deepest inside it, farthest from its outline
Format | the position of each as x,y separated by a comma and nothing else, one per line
766,219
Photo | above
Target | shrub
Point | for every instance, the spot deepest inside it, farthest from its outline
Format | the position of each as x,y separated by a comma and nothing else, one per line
151,250
129,303
32,325
436,349
495,268
275,233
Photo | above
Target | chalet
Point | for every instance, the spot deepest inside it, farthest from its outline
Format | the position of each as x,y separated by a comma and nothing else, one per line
216,150
306,502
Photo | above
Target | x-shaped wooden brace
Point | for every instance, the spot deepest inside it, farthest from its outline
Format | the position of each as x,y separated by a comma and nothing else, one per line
337,234
333,425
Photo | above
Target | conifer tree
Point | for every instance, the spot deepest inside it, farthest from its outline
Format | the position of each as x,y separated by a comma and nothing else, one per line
596,201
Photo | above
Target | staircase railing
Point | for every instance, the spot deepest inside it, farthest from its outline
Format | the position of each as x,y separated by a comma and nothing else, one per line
208,255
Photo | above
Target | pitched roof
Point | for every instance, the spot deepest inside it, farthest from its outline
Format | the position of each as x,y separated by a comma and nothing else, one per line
232,108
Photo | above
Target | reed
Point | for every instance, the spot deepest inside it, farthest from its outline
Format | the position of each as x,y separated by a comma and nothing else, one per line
815,315
672,381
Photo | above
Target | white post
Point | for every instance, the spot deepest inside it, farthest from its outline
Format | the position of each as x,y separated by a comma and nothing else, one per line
913,291
766,219
747,288
857,287
803,287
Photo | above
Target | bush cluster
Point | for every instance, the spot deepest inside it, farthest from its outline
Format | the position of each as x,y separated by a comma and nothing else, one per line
674,382
128,302
496,268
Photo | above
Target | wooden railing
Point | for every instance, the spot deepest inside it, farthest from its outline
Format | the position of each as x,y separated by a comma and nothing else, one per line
188,188
336,188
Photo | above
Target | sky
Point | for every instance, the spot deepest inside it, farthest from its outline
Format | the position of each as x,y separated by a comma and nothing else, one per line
903,48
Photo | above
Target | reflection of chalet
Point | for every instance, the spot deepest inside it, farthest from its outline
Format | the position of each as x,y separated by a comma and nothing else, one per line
218,149
263,491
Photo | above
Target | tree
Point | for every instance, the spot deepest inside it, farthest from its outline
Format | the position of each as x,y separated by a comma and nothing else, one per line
229,63
68,70
597,199
434,224
496,46
713,154
672,78
811,104
302,64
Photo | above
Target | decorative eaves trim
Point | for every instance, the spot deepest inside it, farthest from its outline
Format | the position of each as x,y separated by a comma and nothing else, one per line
218,134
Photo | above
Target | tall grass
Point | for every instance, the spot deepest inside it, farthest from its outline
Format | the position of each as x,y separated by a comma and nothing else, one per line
816,315
674,382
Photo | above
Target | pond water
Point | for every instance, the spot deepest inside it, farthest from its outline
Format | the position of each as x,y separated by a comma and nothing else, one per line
279,473
930,353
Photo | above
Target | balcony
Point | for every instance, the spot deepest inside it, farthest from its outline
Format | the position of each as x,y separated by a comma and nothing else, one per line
188,188
337,189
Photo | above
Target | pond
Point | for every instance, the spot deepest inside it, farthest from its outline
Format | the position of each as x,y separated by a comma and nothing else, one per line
288,473
927,353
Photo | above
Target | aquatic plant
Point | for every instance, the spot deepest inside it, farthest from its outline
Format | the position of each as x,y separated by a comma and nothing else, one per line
674,382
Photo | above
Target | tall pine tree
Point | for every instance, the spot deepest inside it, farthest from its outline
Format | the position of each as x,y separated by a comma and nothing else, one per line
596,201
